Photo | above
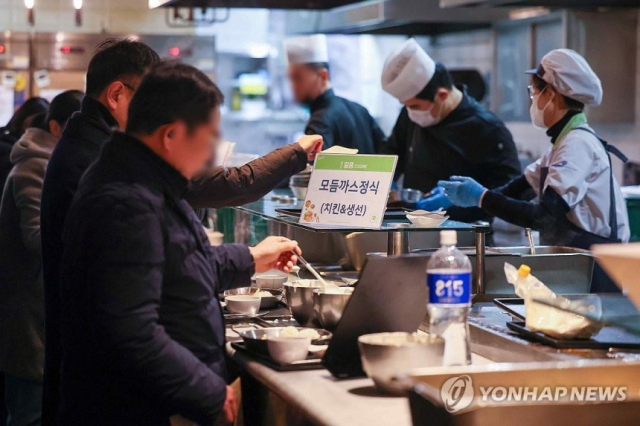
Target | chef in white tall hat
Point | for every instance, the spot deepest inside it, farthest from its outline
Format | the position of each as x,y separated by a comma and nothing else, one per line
578,200
442,131
307,50
338,120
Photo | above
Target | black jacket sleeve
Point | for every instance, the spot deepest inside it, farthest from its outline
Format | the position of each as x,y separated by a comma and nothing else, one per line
498,157
124,299
317,126
379,137
497,164
397,142
234,264
517,188
546,214
235,186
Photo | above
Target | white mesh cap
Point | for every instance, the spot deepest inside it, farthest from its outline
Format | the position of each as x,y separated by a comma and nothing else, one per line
307,49
407,71
570,74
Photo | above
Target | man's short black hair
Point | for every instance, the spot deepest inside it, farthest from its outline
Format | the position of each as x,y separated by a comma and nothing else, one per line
441,79
540,84
118,59
64,105
171,92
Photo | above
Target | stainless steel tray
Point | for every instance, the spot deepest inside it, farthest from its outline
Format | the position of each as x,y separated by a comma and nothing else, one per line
565,270
311,363
429,407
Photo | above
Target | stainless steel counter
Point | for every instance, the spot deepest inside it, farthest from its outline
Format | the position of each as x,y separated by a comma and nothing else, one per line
315,396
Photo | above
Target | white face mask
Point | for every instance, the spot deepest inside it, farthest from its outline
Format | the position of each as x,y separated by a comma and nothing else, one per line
423,118
537,114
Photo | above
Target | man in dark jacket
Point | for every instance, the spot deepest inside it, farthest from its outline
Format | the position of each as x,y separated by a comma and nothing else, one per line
113,75
442,132
143,331
338,120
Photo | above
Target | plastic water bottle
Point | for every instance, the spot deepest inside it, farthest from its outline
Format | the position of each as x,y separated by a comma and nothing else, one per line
449,283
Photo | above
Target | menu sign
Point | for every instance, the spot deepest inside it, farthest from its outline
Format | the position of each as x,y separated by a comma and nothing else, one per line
348,190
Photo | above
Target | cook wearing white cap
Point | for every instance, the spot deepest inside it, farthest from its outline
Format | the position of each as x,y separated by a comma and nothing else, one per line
443,132
338,120
579,200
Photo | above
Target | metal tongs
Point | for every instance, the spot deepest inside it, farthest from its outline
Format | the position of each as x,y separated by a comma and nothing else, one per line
313,271
532,246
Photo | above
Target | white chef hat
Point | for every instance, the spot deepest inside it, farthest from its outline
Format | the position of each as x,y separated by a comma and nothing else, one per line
407,71
570,74
307,49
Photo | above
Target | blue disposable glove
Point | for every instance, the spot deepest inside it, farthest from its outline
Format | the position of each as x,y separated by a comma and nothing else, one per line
463,191
436,200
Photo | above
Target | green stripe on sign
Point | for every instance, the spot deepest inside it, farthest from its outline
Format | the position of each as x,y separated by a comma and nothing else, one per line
356,163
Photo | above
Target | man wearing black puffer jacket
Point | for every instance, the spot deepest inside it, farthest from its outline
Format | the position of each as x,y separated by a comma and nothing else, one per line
142,328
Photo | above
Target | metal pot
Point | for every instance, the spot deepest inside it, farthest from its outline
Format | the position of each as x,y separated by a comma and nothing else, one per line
300,302
386,355
328,305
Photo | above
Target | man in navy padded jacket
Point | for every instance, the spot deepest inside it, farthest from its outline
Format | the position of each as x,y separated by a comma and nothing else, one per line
142,328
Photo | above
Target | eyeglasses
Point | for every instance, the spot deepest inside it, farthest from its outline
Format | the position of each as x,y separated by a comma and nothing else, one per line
531,89
133,89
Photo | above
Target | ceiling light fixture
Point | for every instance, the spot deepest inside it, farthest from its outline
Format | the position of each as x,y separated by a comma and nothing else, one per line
30,4
77,5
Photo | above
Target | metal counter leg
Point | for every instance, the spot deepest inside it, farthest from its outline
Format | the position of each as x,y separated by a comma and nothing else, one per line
398,243
479,278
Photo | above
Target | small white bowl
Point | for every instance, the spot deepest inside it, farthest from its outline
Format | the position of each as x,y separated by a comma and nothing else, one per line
427,221
427,213
300,192
244,305
271,281
287,350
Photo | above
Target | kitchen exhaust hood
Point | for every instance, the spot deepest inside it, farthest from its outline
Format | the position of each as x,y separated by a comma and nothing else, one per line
266,4
407,17
564,4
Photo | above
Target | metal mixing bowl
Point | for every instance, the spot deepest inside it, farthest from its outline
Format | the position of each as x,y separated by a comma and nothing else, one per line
328,305
386,355
300,302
